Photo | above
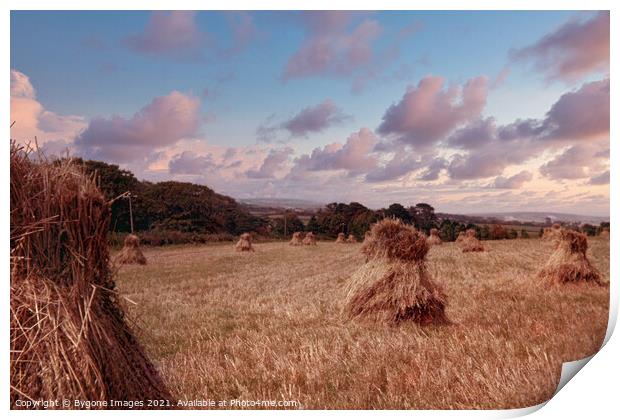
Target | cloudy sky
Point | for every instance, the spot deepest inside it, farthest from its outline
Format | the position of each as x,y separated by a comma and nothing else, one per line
468,111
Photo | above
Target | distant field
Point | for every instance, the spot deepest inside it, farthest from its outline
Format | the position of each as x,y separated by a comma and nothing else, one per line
267,325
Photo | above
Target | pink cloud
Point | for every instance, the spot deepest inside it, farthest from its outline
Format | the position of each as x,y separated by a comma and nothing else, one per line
330,47
355,156
513,182
273,163
581,114
601,179
428,112
399,165
575,49
576,162
314,119
191,163
163,122
33,120
168,32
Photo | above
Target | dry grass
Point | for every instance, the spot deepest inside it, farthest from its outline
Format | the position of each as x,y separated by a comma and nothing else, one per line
341,239
222,327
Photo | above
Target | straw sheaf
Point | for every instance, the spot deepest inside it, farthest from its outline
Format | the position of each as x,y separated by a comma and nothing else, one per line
569,262
69,336
393,239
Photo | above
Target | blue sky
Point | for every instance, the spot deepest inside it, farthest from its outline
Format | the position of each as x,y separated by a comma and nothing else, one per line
92,66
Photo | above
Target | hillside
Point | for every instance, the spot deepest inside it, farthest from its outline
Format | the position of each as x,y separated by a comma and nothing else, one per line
541,217
170,205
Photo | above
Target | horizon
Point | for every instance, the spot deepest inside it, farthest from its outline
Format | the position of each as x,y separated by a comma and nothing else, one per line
472,112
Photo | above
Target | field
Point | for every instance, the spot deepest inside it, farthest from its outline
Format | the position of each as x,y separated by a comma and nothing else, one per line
267,326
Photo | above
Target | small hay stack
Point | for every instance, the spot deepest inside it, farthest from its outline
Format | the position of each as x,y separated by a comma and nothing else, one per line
245,243
131,253
569,263
470,243
297,239
309,239
351,239
340,239
394,285
434,238
69,336
553,233
460,237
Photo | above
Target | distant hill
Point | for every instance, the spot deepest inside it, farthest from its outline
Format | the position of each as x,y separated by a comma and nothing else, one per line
281,203
540,217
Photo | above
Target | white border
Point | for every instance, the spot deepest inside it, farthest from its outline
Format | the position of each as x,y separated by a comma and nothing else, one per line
593,394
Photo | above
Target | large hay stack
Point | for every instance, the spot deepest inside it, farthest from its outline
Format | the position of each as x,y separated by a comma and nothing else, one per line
340,239
69,336
131,252
470,243
297,239
569,263
245,243
309,239
394,285
351,239
434,238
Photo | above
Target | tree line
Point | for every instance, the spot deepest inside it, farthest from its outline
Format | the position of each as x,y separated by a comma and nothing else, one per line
176,212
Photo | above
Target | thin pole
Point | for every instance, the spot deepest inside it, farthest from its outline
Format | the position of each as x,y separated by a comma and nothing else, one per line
130,214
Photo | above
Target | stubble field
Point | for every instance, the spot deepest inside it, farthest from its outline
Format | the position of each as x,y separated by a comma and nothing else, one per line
267,325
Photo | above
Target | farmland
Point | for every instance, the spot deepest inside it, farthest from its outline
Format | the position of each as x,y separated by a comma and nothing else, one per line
268,326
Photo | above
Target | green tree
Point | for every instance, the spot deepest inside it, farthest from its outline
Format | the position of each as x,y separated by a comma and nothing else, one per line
313,225
424,217
397,211
293,224
589,229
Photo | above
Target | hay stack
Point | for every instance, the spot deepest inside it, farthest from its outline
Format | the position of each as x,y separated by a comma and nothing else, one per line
309,239
569,263
604,234
131,253
394,285
460,237
340,239
552,233
434,239
470,243
69,336
245,243
297,239
351,239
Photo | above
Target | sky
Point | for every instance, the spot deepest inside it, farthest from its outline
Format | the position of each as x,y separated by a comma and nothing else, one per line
468,111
